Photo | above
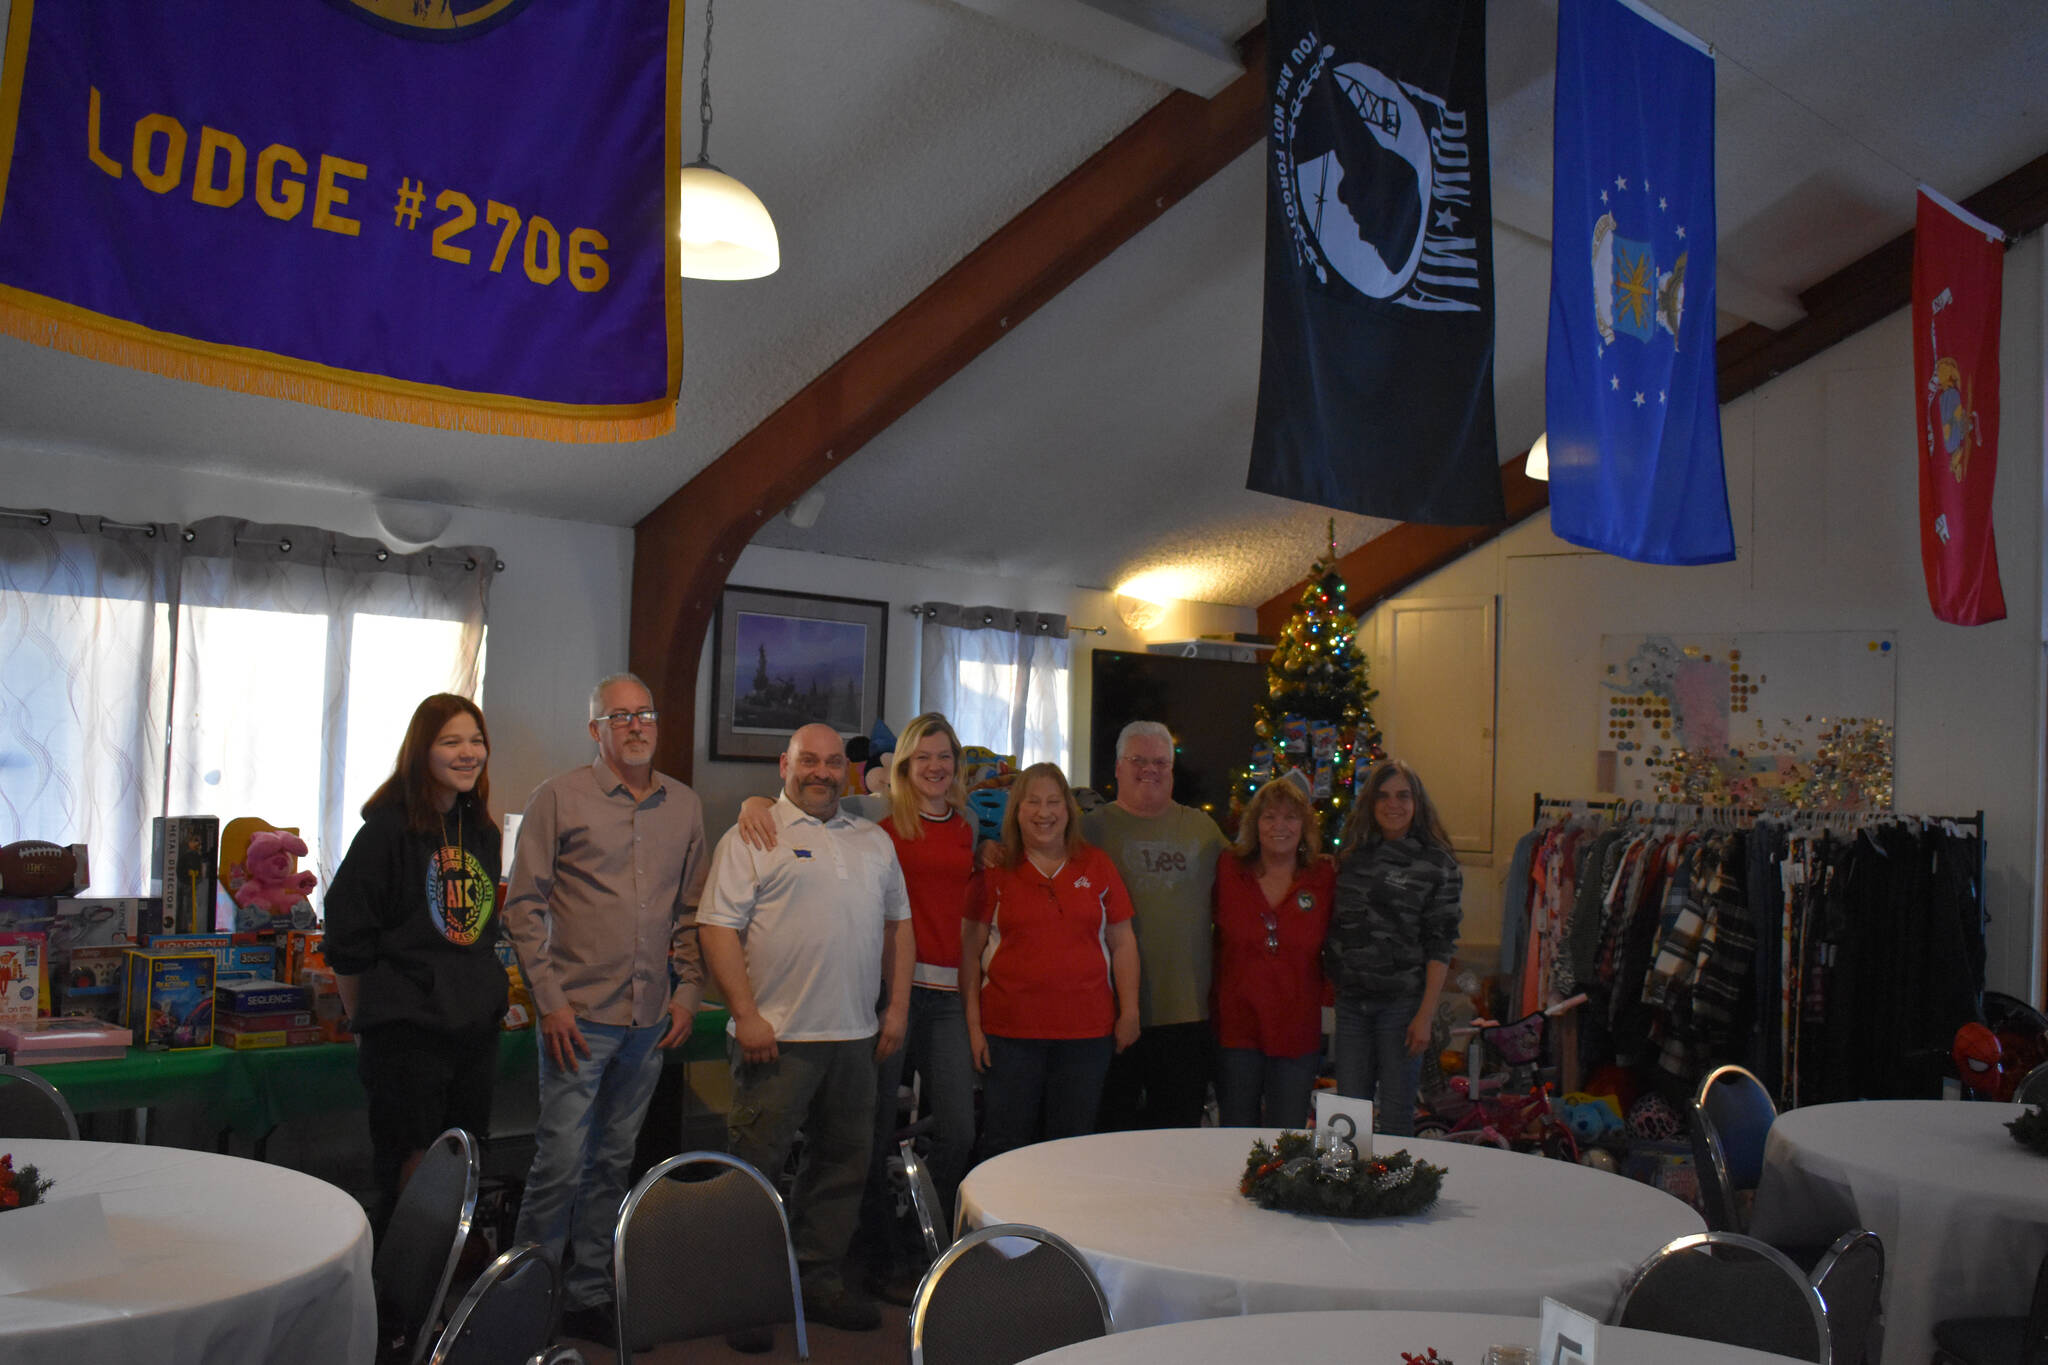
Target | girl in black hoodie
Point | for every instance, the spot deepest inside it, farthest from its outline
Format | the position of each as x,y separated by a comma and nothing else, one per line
412,923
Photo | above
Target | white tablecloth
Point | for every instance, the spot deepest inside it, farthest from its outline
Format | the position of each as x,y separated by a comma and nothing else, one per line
1962,1209
224,1261
1159,1217
1321,1338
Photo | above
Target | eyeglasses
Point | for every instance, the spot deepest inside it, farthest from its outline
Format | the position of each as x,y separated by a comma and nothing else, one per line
621,719
1152,764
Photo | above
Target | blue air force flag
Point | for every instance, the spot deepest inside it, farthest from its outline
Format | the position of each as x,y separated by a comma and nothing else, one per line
1632,410
1376,373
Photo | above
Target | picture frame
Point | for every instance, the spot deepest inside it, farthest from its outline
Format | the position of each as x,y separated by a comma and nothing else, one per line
780,660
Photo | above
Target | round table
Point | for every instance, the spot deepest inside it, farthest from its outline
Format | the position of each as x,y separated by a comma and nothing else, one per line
1962,1209
1319,1338
1159,1217
223,1261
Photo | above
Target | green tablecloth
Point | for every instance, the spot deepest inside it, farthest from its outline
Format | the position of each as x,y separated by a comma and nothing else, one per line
250,1093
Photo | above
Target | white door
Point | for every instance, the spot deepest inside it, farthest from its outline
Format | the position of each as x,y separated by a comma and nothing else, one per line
1435,673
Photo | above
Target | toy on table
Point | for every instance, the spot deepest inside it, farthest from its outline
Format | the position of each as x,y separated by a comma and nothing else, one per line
263,880
36,867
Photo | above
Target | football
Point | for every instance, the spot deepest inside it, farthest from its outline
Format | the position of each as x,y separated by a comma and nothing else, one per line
33,867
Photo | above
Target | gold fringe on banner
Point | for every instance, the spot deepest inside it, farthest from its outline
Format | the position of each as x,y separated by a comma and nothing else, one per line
45,322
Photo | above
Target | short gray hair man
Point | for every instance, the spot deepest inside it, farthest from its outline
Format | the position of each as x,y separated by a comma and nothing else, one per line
1142,729
597,692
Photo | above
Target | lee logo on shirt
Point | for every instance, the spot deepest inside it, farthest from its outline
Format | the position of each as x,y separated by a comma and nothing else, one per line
1160,860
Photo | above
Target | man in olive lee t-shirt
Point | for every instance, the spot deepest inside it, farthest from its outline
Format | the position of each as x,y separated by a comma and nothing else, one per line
1167,855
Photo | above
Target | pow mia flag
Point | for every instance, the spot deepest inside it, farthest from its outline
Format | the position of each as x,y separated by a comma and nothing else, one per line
1376,373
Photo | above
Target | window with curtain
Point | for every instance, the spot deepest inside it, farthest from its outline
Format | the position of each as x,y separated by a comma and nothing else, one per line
227,668
1002,677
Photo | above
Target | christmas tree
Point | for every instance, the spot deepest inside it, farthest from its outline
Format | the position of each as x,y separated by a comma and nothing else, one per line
1316,716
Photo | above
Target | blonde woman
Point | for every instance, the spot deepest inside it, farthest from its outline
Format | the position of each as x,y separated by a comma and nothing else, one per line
1391,938
1273,896
1057,996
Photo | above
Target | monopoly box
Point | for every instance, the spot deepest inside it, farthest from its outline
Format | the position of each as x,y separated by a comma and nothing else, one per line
169,998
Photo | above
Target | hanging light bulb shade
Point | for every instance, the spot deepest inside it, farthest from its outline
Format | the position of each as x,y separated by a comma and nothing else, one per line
726,231
1538,466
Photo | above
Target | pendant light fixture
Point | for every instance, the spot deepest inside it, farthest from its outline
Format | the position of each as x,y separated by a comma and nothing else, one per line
727,234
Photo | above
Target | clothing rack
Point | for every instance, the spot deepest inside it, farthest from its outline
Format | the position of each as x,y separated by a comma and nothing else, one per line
1748,815
1744,816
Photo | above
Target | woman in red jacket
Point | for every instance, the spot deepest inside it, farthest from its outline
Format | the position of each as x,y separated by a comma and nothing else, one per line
1273,894
1057,995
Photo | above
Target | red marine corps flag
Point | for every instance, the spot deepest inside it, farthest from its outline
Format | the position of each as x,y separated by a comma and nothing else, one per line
1958,273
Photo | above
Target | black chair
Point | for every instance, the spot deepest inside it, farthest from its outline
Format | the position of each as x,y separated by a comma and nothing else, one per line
2033,1087
978,1306
694,1257
1850,1278
1729,1118
1724,1287
1998,1341
924,1199
507,1315
30,1107
423,1240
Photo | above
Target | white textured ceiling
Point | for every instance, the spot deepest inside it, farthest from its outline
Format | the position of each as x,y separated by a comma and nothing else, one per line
1108,433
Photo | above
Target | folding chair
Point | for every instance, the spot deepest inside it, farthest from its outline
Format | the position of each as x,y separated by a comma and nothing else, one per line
924,1199
30,1107
507,1315
1724,1287
1729,1118
1850,1278
696,1257
978,1306
423,1240
1998,1341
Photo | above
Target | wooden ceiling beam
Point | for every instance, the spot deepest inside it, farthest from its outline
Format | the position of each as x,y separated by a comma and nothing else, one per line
684,549
1859,294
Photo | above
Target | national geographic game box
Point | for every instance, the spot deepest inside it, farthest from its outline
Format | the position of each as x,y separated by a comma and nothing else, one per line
169,1002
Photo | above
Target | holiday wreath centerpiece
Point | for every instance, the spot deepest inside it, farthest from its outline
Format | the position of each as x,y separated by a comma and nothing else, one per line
20,1189
2030,1130
1298,1174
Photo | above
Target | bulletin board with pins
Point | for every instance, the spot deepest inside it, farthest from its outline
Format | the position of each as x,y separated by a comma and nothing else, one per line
1799,719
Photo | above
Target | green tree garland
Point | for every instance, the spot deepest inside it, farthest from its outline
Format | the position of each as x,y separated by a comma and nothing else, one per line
1289,1175
2030,1130
1317,674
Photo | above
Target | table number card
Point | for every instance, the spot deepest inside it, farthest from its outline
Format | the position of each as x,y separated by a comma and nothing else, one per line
1341,1116
1567,1336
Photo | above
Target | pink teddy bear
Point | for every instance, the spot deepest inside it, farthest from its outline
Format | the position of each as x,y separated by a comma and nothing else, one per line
268,880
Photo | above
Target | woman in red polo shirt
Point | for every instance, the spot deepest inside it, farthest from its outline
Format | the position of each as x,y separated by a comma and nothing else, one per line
1057,995
1273,894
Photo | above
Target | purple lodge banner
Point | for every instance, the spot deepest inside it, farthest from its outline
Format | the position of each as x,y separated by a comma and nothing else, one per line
459,213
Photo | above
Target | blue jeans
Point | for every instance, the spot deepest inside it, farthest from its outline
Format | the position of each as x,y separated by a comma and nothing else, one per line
1058,1078
1373,1061
583,1152
936,1048
1257,1091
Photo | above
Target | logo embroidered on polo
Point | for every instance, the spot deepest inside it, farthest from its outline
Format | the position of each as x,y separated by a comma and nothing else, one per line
1082,883
800,853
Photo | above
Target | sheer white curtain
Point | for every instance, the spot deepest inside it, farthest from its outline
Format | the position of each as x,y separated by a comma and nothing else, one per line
221,669
301,655
1002,677
85,624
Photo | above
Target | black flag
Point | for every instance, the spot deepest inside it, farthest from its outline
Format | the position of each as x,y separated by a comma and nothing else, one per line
1376,375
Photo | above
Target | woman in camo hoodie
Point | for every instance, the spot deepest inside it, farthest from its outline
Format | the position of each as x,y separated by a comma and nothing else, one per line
1391,939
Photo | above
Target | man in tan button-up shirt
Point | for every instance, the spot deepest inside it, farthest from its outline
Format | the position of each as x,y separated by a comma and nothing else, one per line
610,862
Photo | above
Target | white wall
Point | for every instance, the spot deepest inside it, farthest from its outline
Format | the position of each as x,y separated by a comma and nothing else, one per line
1823,483
724,785
557,612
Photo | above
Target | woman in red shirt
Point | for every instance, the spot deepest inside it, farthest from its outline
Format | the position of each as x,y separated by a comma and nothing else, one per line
1273,894
1057,994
